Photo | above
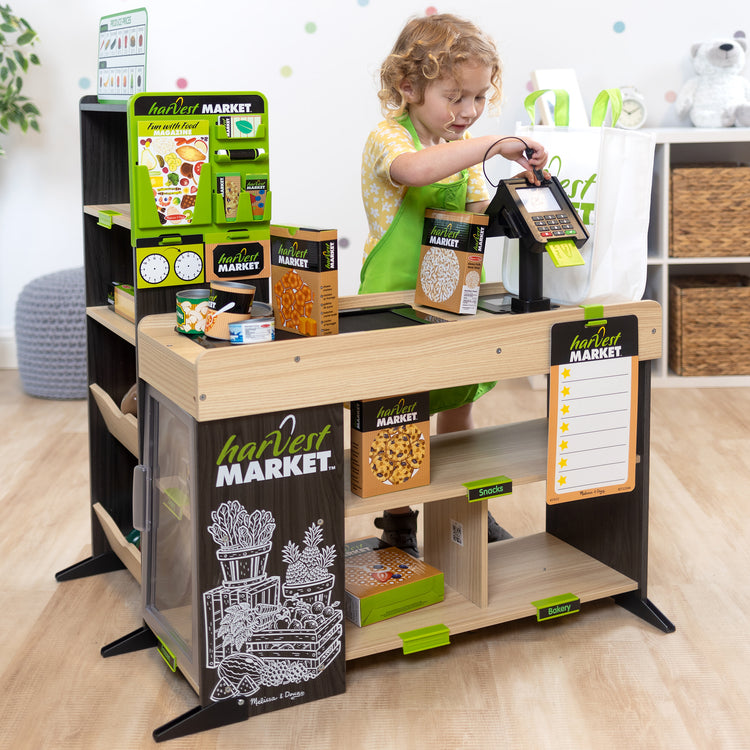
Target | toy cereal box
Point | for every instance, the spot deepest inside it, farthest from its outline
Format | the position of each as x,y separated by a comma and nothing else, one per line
450,263
383,583
390,444
304,280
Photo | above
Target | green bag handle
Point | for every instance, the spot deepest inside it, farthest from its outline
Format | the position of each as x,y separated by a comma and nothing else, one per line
604,99
562,105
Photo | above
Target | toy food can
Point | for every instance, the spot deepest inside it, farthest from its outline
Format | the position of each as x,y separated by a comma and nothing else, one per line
229,302
192,309
252,331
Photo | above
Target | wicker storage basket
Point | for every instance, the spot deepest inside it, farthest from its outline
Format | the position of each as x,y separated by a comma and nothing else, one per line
709,209
709,325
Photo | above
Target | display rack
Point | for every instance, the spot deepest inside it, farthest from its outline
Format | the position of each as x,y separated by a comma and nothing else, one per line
676,147
121,227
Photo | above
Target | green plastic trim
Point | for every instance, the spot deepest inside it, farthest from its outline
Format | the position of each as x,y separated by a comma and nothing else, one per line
593,314
105,217
166,654
557,606
485,489
424,639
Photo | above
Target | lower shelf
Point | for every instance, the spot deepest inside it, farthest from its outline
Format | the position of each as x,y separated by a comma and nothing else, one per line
127,552
521,571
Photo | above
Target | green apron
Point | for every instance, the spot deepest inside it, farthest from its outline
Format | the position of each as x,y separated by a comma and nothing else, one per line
393,263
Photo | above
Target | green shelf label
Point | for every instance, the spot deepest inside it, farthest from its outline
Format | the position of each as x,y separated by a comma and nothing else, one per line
557,606
423,639
486,489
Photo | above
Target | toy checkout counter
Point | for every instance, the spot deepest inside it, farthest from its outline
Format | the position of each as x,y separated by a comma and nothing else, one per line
244,484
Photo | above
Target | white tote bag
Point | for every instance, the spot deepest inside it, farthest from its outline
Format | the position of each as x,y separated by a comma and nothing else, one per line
607,173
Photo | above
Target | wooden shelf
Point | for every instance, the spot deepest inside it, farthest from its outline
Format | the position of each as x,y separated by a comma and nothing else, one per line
121,219
127,552
116,323
520,571
519,451
124,427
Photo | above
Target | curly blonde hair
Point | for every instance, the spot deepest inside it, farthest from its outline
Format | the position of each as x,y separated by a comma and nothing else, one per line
433,47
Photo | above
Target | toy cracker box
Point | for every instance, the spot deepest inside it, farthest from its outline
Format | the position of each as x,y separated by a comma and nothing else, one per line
304,280
383,583
450,263
390,444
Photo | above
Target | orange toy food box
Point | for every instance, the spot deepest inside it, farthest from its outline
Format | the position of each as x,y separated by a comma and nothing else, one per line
383,583
304,280
390,444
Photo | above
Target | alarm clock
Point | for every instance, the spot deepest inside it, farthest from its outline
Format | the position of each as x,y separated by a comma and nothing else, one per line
633,113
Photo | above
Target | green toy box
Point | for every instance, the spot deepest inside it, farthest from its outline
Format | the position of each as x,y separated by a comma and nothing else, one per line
383,583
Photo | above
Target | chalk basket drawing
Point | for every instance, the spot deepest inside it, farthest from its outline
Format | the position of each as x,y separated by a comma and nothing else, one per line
254,637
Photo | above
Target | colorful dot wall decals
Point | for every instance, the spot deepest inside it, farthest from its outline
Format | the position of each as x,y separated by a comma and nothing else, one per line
619,27
181,83
344,242
310,28
84,83
670,96
363,3
430,11
286,71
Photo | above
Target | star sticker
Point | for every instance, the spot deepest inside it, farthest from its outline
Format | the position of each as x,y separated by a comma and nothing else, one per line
565,427
565,391
566,372
562,480
563,463
563,445
565,409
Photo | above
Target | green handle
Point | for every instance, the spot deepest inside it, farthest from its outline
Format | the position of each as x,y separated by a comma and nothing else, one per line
603,100
562,105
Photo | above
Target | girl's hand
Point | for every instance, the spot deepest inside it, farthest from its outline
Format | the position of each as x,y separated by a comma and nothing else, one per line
514,149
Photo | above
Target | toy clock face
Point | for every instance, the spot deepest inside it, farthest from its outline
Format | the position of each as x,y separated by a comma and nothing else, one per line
633,113
188,265
154,268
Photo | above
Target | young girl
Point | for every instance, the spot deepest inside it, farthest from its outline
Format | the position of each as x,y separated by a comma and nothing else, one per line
434,86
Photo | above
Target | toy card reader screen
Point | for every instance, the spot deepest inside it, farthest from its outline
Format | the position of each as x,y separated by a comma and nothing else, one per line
538,200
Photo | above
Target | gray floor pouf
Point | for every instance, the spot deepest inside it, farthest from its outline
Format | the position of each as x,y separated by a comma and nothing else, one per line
51,335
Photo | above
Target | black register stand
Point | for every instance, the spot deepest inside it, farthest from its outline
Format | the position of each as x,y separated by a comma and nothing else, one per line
237,412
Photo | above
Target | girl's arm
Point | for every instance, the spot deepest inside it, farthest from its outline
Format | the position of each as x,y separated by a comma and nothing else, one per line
435,163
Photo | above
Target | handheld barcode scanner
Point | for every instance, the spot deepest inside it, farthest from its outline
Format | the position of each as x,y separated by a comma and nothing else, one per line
541,218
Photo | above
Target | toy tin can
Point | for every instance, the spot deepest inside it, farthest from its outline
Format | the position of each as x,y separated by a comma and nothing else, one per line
252,331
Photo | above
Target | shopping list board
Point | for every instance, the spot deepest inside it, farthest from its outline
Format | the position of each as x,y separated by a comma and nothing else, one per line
592,409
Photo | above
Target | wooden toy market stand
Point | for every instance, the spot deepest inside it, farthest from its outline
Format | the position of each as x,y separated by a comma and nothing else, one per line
594,548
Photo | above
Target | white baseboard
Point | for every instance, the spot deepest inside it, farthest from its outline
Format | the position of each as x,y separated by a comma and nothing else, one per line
8,358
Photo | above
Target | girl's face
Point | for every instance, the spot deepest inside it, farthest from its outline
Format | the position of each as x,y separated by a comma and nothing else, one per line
451,105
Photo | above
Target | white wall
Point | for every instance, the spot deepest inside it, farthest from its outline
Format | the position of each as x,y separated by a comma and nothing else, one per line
322,112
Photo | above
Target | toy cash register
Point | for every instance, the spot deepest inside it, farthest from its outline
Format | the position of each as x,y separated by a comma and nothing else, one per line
543,219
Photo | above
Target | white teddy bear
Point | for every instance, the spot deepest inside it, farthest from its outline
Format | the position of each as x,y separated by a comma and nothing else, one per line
718,97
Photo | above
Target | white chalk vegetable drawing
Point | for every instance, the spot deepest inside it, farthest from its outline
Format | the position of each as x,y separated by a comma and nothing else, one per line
258,640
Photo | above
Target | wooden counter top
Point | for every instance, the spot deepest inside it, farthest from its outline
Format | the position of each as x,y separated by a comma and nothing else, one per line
253,379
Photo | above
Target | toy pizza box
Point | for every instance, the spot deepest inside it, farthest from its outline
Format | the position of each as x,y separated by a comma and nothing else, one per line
304,280
383,583
451,259
390,444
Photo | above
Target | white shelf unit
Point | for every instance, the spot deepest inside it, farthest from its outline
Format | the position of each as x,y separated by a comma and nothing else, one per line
679,146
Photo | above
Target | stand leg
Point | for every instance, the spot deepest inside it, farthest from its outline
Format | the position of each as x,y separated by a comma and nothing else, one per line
104,563
202,718
644,609
136,641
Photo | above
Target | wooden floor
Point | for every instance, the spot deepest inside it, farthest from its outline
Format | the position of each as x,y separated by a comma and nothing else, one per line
599,679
